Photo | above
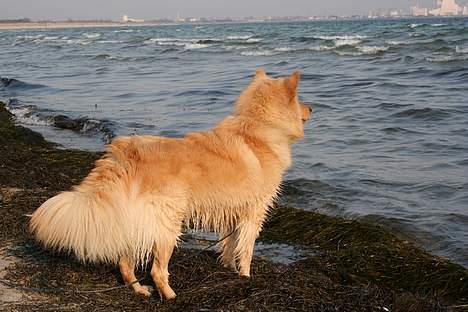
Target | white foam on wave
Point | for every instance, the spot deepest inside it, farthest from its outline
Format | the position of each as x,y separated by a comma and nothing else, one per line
258,53
239,37
38,39
461,50
372,49
188,43
447,58
78,41
341,37
284,49
345,42
165,41
91,35
414,25
239,47
109,41
124,31
195,46
365,50
25,115
171,43
321,48
397,43
253,40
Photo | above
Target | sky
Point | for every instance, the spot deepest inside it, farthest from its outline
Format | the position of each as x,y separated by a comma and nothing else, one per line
150,9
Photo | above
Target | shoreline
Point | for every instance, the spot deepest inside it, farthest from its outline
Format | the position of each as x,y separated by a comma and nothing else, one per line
97,24
58,25
353,266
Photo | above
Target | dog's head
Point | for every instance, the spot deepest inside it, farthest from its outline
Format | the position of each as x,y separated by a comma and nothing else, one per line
275,102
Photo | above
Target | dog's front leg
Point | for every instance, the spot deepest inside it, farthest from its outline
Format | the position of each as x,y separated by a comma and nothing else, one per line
227,248
247,234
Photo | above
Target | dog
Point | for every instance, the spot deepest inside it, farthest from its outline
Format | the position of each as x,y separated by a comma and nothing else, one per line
133,204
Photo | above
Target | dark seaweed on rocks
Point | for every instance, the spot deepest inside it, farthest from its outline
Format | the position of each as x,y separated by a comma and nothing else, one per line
355,266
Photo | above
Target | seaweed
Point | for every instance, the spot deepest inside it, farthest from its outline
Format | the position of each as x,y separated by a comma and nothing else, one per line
355,265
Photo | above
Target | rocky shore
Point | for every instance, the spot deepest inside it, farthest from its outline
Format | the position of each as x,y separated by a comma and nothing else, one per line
351,265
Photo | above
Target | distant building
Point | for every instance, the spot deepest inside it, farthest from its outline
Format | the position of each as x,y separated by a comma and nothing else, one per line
465,10
446,8
127,19
385,12
417,11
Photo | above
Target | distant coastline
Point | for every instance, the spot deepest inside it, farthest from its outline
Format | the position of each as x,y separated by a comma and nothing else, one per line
20,24
55,25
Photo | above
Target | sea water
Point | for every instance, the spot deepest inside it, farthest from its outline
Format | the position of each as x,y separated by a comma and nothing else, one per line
388,140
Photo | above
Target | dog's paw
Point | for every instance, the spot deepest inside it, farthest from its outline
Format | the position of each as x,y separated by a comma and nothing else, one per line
170,294
244,274
144,291
231,266
167,293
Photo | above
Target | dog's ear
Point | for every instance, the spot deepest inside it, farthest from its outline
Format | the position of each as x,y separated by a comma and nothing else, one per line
292,82
260,73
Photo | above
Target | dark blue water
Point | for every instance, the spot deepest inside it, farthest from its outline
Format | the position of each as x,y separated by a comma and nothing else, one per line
388,140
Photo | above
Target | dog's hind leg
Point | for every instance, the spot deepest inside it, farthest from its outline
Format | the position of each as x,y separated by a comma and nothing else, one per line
127,269
159,272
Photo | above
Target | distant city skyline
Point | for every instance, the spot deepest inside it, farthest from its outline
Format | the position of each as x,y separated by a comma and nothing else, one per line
154,9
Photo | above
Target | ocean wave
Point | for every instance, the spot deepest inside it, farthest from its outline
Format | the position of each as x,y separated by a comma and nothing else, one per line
363,50
341,37
30,115
321,48
372,49
398,43
337,41
12,83
258,53
447,58
426,113
285,49
461,50
399,130
239,37
124,30
345,42
39,39
113,57
91,35
195,46
27,115
109,41
314,195
188,44
253,40
416,25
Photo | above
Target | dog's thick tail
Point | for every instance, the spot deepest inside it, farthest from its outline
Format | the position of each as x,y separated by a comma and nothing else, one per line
82,223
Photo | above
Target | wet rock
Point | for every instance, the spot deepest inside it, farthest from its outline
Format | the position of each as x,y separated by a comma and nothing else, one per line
65,122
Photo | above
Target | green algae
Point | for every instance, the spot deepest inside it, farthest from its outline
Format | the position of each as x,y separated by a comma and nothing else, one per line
357,252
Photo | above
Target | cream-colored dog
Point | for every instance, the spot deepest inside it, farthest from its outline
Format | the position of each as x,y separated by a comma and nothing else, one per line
132,205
